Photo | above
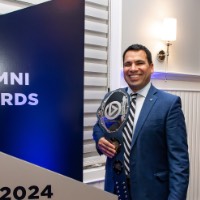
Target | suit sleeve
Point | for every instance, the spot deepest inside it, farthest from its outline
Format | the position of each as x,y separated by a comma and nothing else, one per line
177,152
97,134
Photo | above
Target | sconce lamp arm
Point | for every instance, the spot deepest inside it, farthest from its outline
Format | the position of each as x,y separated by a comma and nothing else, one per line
168,44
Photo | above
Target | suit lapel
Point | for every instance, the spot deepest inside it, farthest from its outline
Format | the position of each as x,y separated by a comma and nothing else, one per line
146,108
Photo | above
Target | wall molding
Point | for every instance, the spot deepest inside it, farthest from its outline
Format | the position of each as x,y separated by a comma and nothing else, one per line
176,76
176,81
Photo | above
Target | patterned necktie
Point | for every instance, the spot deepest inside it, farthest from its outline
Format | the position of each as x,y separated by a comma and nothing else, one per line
127,134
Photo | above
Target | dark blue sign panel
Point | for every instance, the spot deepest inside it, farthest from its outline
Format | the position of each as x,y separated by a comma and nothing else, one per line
41,85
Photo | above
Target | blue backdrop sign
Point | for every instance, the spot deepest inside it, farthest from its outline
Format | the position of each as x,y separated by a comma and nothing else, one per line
41,85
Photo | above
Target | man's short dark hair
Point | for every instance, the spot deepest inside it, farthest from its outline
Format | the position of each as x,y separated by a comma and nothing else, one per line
137,47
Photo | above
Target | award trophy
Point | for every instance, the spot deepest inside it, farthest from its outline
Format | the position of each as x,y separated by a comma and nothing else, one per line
112,115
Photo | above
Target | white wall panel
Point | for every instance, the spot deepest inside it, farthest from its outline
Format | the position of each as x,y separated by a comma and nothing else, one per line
98,2
96,40
89,121
89,148
95,79
91,108
96,13
95,67
96,27
87,135
95,54
94,95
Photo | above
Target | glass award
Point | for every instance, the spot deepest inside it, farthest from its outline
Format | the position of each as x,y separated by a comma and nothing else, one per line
113,110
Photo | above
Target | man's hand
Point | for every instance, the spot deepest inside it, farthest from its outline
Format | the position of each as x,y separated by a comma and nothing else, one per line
106,147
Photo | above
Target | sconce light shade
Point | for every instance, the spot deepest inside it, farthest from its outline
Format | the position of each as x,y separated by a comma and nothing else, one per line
169,29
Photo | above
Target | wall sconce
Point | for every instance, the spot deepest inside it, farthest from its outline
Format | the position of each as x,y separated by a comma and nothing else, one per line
168,34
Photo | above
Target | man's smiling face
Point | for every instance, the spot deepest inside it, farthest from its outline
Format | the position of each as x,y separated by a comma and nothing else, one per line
137,70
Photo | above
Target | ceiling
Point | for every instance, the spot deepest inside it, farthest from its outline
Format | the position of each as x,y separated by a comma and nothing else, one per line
7,6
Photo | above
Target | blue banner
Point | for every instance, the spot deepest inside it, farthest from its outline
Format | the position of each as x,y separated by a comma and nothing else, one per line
41,85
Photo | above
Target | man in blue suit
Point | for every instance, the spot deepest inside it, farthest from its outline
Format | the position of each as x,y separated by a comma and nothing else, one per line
159,161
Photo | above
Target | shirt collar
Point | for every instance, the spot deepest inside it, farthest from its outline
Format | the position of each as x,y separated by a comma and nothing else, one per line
143,92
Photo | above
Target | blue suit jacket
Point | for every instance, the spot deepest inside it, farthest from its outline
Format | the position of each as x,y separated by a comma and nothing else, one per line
159,156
